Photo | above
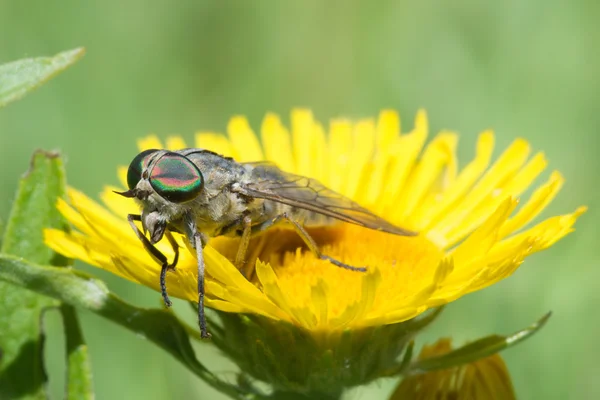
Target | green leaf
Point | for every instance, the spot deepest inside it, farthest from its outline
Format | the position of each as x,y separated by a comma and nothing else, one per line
17,78
35,209
476,350
81,290
79,373
22,372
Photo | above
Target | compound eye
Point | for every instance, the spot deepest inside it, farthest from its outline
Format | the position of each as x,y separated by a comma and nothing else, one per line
139,163
175,178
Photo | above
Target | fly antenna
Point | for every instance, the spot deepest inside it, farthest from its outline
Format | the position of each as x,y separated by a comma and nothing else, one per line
129,193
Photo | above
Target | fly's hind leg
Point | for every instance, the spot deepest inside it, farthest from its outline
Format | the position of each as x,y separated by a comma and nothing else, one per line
157,255
309,241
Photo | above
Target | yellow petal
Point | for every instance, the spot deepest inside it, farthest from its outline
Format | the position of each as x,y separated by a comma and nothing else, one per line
276,142
437,155
405,151
361,155
302,138
149,142
214,142
340,145
243,140
122,174
453,225
538,201
435,210
176,143
388,129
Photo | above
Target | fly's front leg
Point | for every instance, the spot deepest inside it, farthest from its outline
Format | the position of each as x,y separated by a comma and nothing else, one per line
198,244
157,255
310,242
200,257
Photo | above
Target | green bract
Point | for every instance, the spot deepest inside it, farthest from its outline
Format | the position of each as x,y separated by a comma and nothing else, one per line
295,361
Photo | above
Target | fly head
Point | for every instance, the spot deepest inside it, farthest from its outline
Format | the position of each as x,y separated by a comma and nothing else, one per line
171,176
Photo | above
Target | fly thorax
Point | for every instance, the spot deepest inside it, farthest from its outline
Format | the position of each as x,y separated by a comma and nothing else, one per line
223,207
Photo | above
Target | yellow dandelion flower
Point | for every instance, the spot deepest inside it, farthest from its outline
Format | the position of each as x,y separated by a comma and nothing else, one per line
470,236
301,323
487,378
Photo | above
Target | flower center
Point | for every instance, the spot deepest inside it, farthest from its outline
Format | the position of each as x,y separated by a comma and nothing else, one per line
398,268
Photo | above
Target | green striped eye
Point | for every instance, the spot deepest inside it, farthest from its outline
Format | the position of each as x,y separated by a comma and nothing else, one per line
139,163
176,178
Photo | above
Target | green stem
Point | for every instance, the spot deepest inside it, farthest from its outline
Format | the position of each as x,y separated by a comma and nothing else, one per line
79,373
82,291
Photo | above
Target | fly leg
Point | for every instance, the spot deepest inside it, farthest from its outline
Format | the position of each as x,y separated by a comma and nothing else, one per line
198,242
309,241
240,261
157,255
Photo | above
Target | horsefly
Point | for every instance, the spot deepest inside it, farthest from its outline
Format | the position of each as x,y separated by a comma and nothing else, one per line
201,194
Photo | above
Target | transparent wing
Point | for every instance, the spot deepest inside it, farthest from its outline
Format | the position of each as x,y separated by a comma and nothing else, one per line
271,183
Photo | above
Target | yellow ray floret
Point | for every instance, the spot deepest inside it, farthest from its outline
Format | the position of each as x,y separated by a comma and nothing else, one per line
472,234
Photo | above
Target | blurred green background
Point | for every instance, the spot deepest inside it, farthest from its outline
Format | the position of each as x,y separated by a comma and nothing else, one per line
523,68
